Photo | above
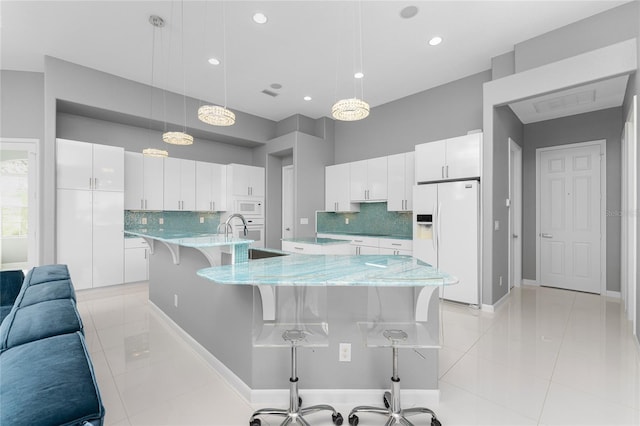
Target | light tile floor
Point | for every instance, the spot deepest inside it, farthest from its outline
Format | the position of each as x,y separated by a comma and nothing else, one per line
545,357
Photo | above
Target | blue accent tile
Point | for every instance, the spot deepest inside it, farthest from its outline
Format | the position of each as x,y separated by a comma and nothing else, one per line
373,219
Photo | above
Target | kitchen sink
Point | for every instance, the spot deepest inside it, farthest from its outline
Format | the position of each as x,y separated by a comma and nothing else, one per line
255,253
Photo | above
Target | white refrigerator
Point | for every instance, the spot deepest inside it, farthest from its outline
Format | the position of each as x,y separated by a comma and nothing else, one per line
445,234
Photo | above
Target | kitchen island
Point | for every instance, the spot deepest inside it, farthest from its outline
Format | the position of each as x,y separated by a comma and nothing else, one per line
217,317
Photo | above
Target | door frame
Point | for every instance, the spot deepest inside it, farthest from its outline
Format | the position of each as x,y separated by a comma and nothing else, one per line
32,147
629,206
603,205
515,207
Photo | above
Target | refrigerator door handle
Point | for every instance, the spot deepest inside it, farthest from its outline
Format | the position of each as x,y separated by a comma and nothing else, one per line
433,227
438,224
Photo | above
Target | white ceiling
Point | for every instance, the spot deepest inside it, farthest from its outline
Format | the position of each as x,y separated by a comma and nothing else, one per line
309,47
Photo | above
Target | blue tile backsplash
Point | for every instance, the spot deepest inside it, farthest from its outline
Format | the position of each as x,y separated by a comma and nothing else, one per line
373,219
183,221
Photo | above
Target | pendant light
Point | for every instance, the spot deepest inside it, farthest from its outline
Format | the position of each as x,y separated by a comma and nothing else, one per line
217,115
353,109
180,138
156,22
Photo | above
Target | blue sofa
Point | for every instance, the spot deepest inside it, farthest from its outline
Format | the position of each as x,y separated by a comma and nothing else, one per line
46,374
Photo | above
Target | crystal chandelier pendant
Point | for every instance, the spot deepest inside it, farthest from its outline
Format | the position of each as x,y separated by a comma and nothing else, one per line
352,109
216,115
177,138
153,152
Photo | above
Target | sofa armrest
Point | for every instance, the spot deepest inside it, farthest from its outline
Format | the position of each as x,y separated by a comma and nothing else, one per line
10,284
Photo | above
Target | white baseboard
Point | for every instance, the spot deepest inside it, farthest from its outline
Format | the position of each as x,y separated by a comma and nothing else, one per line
280,397
614,294
530,282
492,308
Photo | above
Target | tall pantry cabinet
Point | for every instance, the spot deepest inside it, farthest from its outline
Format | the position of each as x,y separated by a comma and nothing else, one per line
90,212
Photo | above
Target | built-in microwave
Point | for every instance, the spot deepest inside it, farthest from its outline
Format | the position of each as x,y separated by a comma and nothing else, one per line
250,208
255,231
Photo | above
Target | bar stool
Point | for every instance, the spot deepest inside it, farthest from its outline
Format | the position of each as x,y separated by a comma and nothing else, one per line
298,323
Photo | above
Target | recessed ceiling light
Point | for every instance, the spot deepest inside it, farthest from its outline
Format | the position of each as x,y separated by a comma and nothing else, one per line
307,98
358,74
276,86
409,12
435,41
214,61
259,18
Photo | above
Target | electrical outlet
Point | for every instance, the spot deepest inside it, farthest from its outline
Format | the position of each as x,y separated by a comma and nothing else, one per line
496,225
304,221
161,221
500,280
201,219
175,300
346,220
345,352
143,220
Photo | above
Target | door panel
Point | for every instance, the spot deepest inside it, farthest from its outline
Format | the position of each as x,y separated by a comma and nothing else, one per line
570,218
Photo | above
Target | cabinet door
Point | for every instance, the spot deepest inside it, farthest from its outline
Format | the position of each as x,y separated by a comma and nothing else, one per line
172,184
136,265
219,188
358,180
188,184
133,181
74,233
74,164
238,179
409,179
396,182
463,156
153,183
108,238
204,186
333,186
377,179
430,161
256,183
108,168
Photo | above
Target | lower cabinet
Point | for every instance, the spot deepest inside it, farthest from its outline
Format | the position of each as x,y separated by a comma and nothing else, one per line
136,260
310,248
360,245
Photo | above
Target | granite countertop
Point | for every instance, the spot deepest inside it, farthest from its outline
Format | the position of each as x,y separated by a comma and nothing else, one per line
186,238
316,240
361,234
334,270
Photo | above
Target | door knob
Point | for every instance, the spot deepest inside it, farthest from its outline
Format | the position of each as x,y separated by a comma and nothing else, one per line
515,235
287,229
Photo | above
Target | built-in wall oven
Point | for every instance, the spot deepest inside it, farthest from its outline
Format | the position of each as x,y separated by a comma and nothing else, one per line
255,231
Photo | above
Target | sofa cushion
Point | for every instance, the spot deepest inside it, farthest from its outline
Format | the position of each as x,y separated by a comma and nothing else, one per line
10,283
39,321
36,293
49,382
46,273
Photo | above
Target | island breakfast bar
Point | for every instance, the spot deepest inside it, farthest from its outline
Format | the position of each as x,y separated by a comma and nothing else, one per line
212,308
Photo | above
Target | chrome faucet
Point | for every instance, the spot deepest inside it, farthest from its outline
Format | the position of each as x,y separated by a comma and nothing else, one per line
227,224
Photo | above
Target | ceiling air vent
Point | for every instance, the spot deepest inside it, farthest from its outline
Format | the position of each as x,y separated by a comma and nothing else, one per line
270,93
567,101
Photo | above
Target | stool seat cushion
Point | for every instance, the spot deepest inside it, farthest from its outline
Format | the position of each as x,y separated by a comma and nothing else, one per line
49,382
39,321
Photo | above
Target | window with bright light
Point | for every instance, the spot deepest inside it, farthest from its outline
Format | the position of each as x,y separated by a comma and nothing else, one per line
13,193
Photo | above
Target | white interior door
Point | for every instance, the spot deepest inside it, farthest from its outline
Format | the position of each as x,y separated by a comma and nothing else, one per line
628,271
515,214
570,217
287,202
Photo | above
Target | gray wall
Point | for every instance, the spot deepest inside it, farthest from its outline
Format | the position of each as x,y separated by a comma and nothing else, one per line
605,124
597,31
21,104
505,125
135,139
444,111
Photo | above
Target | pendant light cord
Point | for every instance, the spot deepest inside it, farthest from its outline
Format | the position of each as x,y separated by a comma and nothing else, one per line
184,84
361,53
224,52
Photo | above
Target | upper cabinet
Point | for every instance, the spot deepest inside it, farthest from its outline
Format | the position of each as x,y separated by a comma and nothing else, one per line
400,178
336,185
455,158
211,187
368,180
82,165
245,181
179,184
143,182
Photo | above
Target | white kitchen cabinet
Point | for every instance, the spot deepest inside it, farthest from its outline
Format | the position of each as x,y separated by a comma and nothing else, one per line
90,237
368,180
311,248
365,245
82,165
336,187
243,180
395,246
211,187
143,182
136,260
400,179
179,184
448,159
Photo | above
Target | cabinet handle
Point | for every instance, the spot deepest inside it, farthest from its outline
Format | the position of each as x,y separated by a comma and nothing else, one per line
90,183
396,244
447,171
442,172
299,248
141,204
95,183
145,205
